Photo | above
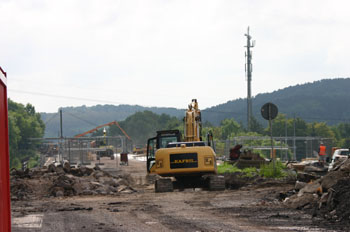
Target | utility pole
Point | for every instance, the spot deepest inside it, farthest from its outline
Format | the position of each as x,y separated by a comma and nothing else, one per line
286,141
61,138
249,70
61,134
294,146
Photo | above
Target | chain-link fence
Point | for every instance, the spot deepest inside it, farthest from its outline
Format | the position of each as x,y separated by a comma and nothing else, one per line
286,148
82,150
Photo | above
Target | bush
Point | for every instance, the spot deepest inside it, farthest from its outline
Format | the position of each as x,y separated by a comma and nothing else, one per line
250,172
264,171
228,168
267,170
33,161
15,163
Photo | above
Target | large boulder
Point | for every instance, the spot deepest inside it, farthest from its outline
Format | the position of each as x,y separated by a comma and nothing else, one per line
86,171
110,181
51,168
98,174
313,187
306,199
329,180
66,167
76,172
63,183
345,167
306,177
299,185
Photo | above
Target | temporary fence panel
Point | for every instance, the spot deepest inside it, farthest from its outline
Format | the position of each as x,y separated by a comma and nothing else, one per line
5,212
80,151
286,148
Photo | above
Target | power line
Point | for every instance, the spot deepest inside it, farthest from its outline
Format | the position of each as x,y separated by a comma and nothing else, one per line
91,123
51,118
112,102
298,116
65,97
77,98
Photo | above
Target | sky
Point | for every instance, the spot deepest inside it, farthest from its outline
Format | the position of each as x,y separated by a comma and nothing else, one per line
165,53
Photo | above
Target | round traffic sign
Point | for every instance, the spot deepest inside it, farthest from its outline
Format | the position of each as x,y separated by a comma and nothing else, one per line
269,111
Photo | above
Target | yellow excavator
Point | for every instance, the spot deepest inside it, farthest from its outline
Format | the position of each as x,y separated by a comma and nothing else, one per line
187,163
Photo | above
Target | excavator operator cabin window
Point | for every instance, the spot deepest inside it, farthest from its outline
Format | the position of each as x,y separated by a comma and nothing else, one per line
152,147
164,141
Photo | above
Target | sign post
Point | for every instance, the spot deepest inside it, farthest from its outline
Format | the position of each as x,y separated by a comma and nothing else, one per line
5,211
269,112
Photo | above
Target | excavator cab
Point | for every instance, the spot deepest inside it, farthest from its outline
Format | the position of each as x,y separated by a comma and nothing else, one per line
162,140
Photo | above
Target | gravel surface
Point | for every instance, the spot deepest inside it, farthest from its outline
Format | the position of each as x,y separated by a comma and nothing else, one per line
249,208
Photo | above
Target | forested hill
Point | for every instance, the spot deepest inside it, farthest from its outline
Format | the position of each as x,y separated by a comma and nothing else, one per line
326,100
80,119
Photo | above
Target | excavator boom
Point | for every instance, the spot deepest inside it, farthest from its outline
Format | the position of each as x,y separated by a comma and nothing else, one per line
193,123
107,124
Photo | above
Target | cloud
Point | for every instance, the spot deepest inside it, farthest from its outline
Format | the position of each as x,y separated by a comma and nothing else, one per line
164,53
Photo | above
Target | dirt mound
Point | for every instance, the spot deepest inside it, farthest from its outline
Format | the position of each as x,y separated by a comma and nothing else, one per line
236,180
327,196
63,180
338,205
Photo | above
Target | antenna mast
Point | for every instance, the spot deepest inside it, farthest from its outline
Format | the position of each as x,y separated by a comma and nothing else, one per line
249,70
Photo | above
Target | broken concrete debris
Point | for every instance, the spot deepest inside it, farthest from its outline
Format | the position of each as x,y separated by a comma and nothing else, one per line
63,180
327,196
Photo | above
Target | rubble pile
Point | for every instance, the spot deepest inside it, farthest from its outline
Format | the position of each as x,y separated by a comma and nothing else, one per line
62,180
327,196
309,169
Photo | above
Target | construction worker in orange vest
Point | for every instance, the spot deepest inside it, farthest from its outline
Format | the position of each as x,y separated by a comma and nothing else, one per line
322,152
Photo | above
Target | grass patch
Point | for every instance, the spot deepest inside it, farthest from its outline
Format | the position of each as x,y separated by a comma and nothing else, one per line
268,171
250,172
33,161
264,171
227,168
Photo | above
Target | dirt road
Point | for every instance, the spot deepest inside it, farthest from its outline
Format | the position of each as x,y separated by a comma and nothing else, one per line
249,209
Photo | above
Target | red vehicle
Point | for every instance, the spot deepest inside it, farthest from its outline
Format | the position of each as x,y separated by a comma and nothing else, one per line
5,211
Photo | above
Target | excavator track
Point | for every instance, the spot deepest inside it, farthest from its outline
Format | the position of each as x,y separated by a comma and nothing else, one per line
216,183
163,185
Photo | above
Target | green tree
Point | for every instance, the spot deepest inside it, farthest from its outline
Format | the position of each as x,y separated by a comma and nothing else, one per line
143,125
228,127
342,130
344,143
255,126
24,123
320,129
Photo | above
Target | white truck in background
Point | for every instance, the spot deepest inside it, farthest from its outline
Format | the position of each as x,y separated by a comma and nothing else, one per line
338,155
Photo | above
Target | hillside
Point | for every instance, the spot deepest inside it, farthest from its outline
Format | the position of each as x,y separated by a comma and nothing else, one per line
324,100
79,119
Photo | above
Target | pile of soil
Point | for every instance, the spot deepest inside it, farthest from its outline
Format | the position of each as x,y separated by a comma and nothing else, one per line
62,180
338,207
326,197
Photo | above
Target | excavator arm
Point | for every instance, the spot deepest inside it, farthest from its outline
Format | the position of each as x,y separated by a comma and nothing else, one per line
107,124
193,123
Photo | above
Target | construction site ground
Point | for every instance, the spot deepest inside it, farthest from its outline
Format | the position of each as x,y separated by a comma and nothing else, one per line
251,208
